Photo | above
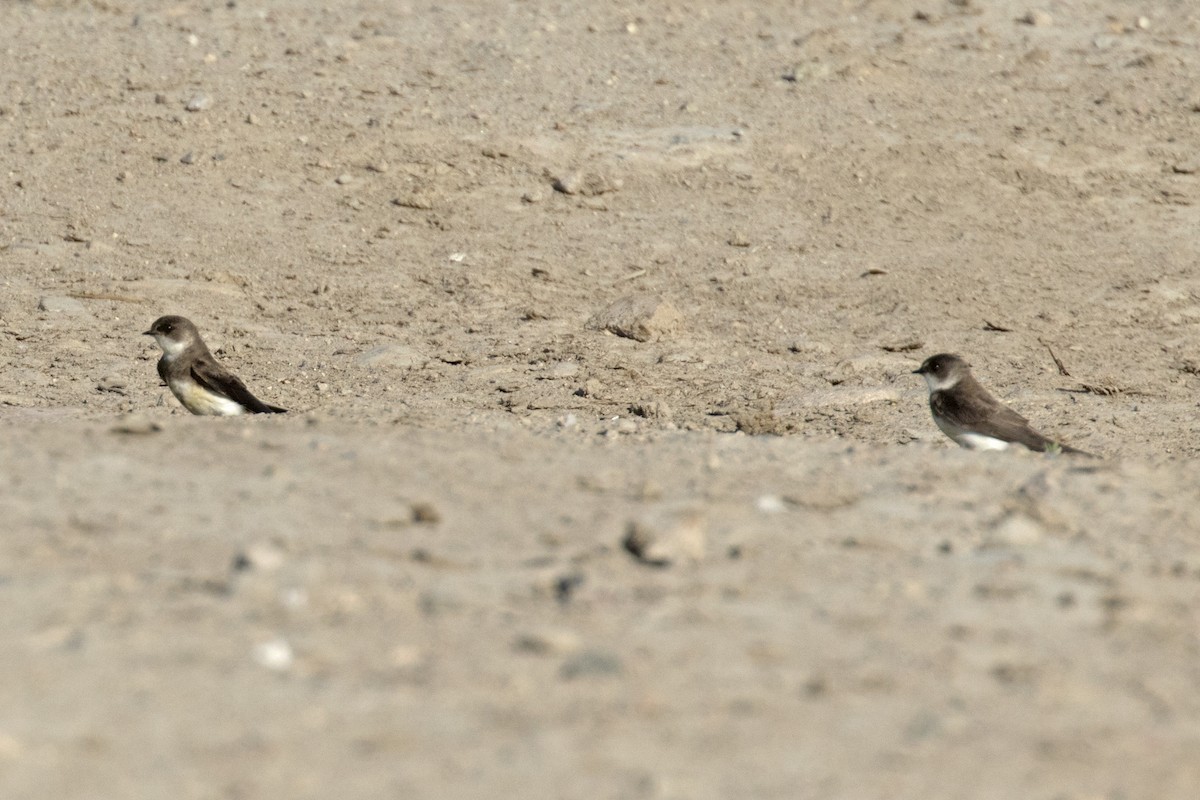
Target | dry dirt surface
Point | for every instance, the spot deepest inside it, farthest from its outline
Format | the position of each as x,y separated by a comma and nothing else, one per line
605,474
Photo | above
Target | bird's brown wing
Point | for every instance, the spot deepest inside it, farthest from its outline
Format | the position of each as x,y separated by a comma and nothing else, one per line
212,376
979,412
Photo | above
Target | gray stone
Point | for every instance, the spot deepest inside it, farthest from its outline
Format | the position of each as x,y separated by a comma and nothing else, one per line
392,355
114,384
564,369
590,663
547,642
586,184
61,304
642,317
199,102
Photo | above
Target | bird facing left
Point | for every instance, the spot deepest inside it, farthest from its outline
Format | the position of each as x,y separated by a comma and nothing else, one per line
196,378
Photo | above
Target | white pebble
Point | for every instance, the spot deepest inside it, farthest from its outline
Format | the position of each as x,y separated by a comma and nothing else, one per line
275,654
199,102
770,504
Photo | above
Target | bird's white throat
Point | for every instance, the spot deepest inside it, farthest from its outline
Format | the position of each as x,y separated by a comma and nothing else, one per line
937,384
170,347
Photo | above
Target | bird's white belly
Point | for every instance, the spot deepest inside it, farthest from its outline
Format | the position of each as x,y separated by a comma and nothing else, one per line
199,400
970,440
977,441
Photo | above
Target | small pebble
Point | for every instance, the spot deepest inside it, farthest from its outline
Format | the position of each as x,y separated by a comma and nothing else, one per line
640,317
627,426
590,663
770,504
114,384
564,369
1015,530
189,158
592,387
664,537
565,585
259,557
392,355
415,201
438,602
59,304
586,184
275,654
425,513
810,348
343,179
903,345
653,409
1037,18
547,642
199,102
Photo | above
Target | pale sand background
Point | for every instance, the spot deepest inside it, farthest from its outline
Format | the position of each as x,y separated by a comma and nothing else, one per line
414,585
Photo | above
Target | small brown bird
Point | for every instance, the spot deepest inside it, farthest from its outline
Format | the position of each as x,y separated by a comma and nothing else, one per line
196,378
968,414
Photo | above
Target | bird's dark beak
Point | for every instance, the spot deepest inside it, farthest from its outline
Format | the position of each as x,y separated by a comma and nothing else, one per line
147,333
916,372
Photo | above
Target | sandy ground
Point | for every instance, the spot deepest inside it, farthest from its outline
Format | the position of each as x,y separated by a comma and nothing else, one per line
410,222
